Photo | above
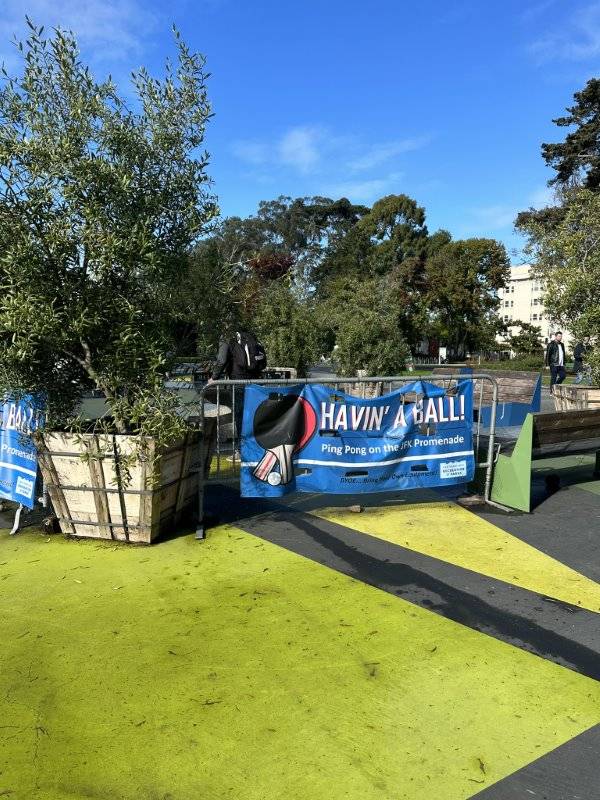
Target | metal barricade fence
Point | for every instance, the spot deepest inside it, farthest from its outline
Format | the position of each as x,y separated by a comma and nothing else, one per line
218,409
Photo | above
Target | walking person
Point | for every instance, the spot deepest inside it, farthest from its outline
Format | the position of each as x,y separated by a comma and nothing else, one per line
240,357
555,359
578,358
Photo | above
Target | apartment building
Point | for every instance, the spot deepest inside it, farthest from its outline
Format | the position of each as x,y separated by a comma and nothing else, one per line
522,300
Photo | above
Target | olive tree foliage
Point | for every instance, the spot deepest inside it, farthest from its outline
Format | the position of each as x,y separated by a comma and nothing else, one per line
567,259
99,204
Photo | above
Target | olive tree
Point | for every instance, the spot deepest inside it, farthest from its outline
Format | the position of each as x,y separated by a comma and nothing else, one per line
100,202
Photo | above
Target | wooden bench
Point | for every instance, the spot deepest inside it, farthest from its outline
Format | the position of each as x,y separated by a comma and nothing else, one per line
543,435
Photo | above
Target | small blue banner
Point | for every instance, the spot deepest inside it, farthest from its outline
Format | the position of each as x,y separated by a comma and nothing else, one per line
18,454
312,438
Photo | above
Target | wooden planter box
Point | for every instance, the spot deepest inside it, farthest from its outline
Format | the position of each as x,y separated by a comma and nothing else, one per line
100,496
571,397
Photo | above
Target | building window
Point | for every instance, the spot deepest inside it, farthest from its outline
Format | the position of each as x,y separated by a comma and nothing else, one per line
512,302
506,318
535,301
535,317
512,288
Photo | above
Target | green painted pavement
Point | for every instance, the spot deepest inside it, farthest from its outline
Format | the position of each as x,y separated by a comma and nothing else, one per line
234,668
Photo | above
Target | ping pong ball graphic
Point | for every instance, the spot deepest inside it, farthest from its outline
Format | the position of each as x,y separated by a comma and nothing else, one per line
274,478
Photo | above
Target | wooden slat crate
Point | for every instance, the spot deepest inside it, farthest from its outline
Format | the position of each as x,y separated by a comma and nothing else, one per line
99,496
567,398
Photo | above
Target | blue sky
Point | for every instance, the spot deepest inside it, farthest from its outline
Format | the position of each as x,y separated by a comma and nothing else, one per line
445,101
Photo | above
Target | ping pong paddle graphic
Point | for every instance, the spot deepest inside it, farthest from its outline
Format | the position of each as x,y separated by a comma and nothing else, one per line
283,424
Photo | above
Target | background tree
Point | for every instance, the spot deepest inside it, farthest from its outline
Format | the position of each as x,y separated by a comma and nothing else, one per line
305,228
563,239
386,251
99,205
567,260
396,226
330,263
577,159
286,326
370,342
528,341
463,279
359,317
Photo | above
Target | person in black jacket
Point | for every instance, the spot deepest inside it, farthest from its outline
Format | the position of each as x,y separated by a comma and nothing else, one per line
240,357
578,356
555,359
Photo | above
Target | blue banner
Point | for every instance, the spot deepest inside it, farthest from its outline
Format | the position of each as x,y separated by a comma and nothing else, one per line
18,454
313,438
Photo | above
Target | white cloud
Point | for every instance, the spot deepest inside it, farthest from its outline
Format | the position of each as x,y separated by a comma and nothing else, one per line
254,153
362,191
299,148
499,217
496,217
380,153
326,162
315,150
107,30
578,39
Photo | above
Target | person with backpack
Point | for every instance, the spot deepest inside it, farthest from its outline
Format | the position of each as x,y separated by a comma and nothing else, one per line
240,357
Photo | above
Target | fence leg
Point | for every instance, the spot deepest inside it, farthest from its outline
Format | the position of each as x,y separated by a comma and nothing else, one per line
203,469
15,526
200,526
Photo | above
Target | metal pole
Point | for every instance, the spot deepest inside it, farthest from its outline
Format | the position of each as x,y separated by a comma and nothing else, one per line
490,455
201,528
234,429
479,407
219,426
